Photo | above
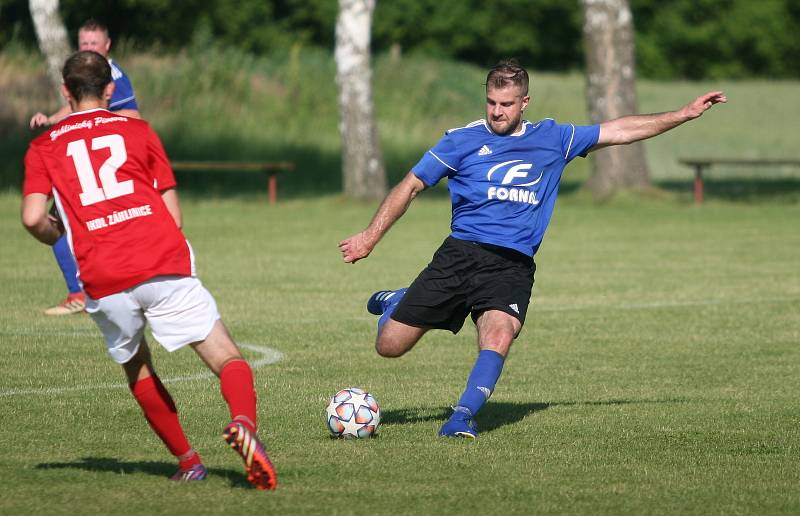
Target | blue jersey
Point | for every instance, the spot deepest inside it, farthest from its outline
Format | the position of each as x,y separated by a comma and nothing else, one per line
123,97
504,188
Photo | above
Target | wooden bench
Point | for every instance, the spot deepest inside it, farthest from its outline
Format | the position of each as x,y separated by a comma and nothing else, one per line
270,169
700,165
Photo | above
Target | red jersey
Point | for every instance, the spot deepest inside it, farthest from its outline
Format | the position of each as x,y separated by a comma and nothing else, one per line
106,173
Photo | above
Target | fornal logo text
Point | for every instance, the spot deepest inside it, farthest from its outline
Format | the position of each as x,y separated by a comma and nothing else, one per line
516,175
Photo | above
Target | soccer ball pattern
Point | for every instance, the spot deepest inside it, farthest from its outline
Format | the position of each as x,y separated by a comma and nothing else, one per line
353,413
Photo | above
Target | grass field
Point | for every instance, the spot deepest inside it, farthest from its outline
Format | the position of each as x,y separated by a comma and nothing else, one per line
657,374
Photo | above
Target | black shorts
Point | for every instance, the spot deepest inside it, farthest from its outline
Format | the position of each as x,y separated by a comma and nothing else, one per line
467,277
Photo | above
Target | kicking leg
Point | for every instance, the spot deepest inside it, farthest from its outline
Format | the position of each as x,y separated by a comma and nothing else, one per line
383,303
396,339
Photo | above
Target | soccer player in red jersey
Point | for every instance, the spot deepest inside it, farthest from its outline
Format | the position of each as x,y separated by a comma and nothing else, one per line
92,35
115,192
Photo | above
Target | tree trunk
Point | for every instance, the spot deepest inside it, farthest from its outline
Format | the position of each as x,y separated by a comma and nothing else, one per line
363,173
611,93
52,38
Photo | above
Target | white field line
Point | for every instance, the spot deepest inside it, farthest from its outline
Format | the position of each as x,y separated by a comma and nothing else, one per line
271,356
534,309
664,304
268,356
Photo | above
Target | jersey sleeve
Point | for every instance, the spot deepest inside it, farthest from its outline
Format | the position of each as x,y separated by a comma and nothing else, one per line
442,160
37,180
576,140
160,168
123,96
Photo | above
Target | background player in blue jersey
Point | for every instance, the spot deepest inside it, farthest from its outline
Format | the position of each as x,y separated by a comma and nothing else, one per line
92,35
503,175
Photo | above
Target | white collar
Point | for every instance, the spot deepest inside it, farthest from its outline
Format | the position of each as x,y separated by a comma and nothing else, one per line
518,132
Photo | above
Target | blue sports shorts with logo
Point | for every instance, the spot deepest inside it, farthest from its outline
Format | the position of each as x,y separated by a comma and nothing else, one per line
467,278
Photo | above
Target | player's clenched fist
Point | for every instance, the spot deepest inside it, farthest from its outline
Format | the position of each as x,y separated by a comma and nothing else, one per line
355,248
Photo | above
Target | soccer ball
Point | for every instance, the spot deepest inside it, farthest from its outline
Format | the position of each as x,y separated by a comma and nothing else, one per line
353,413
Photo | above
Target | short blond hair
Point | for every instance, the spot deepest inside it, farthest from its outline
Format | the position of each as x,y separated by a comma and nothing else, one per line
506,73
92,25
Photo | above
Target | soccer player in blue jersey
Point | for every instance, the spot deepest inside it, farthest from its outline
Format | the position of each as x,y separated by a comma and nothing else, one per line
503,175
92,35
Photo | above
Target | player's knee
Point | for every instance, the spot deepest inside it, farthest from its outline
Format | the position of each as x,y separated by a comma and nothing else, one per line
504,333
499,340
389,347
138,367
501,347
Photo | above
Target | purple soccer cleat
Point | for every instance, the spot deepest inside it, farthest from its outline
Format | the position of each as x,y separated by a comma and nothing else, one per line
196,472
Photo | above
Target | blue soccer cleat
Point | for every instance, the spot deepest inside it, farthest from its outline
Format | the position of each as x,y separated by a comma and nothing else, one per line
196,472
380,300
460,424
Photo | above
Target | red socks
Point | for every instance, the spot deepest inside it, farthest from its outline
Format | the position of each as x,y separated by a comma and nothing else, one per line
236,384
161,413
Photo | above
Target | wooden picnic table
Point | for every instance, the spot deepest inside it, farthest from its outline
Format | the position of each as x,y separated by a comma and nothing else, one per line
700,165
270,168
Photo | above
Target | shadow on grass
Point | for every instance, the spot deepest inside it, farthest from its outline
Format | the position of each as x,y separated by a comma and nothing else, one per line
492,416
159,469
497,414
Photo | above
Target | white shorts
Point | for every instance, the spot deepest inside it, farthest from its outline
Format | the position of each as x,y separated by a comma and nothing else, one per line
179,309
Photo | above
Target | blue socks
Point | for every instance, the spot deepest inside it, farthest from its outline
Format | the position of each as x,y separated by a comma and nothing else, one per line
67,264
389,306
481,382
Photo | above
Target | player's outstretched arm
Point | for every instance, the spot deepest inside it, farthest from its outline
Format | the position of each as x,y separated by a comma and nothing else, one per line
36,220
392,208
629,129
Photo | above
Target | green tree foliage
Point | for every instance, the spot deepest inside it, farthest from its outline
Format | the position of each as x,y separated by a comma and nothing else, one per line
675,38
258,26
717,38
545,34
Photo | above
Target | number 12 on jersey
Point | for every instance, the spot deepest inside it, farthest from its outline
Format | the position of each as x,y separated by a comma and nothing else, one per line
109,187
